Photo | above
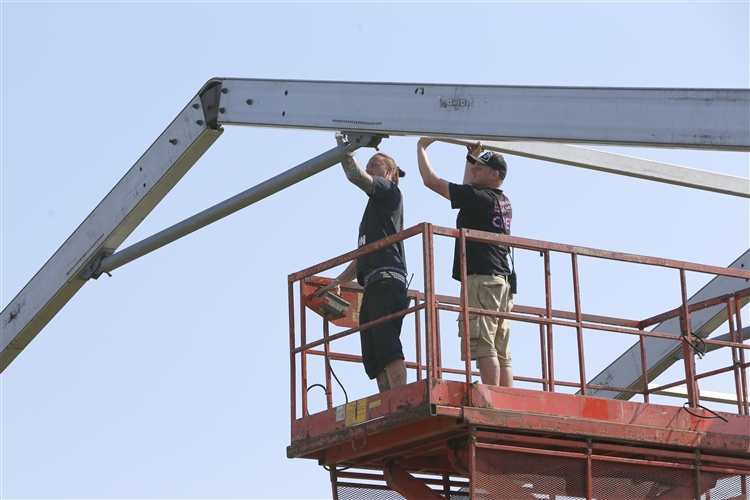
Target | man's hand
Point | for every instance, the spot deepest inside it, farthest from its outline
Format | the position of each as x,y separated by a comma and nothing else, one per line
475,149
425,141
333,285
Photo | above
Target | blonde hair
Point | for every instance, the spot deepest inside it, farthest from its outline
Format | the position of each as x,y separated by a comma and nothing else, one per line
396,170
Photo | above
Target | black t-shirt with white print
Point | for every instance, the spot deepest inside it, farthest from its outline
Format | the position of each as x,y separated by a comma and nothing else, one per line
485,210
384,216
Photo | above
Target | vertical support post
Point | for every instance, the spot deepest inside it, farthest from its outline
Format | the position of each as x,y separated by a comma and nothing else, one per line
334,483
743,370
438,348
472,463
447,486
465,315
589,470
687,348
644,369
292,361
697,478
543,348
327,349
303,354
735,357
579,326
418,337
429,297
548,301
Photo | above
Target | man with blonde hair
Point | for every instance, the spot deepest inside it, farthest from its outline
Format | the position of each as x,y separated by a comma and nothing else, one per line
382,273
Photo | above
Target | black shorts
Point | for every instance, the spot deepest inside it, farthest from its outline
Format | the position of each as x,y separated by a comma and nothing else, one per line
381,343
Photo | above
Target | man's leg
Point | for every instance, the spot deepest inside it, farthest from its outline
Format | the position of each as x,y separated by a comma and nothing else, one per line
383,383
506,376
396,370
489,368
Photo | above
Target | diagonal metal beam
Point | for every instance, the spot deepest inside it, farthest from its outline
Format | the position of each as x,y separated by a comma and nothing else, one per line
661,353
142,187
614,163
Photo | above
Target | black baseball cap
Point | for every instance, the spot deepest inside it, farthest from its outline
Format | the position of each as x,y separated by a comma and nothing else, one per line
492,160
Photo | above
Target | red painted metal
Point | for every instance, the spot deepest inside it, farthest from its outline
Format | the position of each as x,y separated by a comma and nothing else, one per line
418,339
428,255
688,341
538,245
472,462
548,315
421,423
644,369
543,349
579,329
659,318
407,485
292,357
589,472
465,314
743,369
735,358
327,355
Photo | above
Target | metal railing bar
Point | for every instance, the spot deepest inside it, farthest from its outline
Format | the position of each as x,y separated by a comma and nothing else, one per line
692,308
355,254
350,331
537,245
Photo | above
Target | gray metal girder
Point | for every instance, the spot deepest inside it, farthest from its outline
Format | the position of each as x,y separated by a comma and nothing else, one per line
716,119
109,224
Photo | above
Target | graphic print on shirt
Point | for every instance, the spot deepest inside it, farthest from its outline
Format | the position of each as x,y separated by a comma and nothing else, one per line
499,221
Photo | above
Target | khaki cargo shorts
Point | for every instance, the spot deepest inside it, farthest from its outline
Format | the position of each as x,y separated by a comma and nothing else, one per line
489,335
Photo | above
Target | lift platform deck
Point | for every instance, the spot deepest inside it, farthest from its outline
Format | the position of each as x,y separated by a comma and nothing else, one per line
438,437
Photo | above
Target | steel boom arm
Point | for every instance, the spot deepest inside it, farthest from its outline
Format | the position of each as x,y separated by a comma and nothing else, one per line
686,118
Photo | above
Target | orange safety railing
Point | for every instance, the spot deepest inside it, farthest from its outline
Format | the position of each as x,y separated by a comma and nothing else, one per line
428,363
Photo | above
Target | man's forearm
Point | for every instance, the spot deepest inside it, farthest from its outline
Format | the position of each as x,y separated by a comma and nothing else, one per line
430,178
349,274
353,171
355,174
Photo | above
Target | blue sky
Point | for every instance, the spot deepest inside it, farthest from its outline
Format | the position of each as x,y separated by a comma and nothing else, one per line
170,379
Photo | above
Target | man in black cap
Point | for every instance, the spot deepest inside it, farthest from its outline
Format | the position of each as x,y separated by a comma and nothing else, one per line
482,206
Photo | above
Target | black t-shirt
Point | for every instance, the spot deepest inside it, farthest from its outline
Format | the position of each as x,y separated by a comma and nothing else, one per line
384,216
485,210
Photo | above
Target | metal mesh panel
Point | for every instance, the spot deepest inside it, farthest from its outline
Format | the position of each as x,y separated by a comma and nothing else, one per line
505,474
622,481
367,492
728,488
376,492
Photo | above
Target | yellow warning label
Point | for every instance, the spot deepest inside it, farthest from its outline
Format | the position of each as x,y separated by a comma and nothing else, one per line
356,412
374,404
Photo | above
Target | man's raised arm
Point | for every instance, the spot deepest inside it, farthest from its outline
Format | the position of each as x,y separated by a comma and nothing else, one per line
354,172
429,177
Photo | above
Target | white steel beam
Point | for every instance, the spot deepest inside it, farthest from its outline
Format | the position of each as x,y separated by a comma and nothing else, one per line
614,163
117,215
683,118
